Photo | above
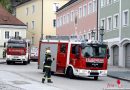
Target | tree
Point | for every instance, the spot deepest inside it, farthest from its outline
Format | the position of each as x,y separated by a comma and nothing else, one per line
6,4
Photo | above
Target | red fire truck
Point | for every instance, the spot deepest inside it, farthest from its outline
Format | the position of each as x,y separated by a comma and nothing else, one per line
17,50
74,58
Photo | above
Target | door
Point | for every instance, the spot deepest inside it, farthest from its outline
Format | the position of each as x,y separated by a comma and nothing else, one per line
75,55
115,55
62,57
127,62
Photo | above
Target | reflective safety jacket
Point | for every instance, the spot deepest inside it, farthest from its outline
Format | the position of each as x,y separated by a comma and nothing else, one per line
48,60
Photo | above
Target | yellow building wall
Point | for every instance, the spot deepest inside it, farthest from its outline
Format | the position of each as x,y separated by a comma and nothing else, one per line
48,16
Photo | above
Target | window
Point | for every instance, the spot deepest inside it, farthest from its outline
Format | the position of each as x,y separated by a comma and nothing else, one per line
16,34
27,11
55,6
103,23
116,21
75,49
109,23
54,22
109,1
72,15
63,48
32,40
90,7
125,18
67,17
94,5
33,24
103,3
7,35
85,10
76,17
64,19
80,12
33,8
57,23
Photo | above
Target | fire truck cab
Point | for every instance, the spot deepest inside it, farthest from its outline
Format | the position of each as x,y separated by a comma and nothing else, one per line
74,58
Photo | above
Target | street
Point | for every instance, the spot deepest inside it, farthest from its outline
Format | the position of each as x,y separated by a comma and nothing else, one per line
30,72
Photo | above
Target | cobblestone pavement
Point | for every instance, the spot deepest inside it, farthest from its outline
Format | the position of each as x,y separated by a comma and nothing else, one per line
4,86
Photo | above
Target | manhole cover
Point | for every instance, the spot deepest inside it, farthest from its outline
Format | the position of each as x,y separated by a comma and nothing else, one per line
20,82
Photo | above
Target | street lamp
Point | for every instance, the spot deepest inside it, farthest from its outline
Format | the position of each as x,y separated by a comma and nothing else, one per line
101,34
92,34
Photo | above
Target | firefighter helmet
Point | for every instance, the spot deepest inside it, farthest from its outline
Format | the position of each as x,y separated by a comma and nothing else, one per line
48,51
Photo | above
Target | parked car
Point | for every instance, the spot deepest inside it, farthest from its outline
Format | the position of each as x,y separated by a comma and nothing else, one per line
33,53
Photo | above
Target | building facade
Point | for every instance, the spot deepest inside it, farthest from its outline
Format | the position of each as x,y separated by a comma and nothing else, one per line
10,26
115,17
39,16
78,17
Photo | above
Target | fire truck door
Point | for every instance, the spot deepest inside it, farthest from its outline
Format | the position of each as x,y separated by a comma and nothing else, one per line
62,57
74,55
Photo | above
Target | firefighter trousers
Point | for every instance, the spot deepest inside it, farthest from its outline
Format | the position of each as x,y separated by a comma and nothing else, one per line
47,74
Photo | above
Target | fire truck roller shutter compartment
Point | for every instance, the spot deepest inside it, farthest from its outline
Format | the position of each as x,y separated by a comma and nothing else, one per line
53,48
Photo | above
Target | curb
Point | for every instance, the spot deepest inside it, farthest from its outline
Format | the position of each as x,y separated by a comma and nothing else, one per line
2,62
121,78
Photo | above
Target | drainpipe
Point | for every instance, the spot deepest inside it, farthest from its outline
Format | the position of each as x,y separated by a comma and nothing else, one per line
42,23
97,19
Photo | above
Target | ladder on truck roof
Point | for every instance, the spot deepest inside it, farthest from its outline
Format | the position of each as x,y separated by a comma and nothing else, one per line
59,38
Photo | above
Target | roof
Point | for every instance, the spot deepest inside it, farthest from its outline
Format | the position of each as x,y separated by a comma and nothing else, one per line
7,18
67,4
23,1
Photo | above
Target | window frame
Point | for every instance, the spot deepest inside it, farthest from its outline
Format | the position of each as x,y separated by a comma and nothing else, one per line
114,21
123,17
109,29
84,14
6,34
104,26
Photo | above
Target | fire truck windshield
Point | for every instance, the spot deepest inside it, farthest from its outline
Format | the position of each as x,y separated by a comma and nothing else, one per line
16,45
94,51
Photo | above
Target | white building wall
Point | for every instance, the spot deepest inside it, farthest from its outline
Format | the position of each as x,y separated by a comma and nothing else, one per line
12,29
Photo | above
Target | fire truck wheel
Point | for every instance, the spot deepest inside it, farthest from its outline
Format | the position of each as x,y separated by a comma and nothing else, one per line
8,62
28,61
96,78
25,62
70,73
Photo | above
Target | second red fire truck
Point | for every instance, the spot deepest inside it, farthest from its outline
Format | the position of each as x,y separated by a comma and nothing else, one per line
17,50
74,58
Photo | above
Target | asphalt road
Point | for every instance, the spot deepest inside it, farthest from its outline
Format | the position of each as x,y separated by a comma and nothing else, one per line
31,72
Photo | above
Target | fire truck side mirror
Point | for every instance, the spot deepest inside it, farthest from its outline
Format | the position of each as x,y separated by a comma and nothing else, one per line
108,56
4,44
29,44
87,55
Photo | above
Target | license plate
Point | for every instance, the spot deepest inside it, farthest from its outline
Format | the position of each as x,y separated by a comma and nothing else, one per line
15,57
94,71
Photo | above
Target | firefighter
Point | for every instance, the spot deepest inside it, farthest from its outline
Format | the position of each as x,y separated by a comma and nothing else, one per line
47,66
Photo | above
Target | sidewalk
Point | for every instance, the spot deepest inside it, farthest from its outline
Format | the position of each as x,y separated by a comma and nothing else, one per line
2,61
12,81
119,72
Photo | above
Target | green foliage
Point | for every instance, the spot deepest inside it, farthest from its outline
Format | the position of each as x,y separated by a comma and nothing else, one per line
6,4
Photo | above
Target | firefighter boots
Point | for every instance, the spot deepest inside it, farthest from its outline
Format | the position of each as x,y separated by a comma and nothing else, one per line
43,79
49,81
